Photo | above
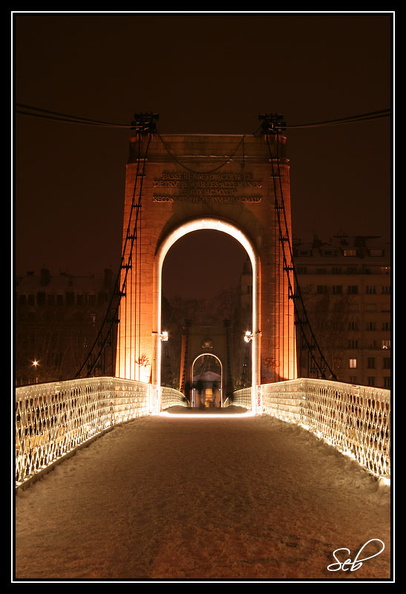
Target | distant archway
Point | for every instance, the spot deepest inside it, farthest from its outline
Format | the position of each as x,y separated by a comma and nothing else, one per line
206,381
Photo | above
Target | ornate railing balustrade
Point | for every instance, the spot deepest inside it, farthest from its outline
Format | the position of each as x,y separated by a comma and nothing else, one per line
242,398
353,419
53,419
171,397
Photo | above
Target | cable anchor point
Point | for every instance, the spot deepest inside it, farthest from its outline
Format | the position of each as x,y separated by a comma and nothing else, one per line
144,123
272,123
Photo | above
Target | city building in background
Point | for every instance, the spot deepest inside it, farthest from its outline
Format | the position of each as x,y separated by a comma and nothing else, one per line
346,287
57,317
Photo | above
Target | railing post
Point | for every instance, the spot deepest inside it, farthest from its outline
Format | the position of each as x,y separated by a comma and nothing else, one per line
258,409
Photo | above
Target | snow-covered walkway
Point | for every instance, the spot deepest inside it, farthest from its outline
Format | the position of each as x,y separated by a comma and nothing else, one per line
203,497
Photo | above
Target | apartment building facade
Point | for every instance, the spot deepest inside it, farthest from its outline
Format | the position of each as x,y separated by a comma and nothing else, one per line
346,288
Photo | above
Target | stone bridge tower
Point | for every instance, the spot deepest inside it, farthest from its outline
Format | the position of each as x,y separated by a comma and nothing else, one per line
175,184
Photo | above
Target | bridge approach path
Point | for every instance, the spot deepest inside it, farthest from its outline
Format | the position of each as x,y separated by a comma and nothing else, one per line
195,497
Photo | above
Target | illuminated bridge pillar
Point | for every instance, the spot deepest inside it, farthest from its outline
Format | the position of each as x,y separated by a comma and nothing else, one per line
176,184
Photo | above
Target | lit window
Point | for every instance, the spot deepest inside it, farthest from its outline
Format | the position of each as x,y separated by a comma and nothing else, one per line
353,363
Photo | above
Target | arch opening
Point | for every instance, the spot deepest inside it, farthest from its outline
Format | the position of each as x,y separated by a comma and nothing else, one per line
206,381
242,239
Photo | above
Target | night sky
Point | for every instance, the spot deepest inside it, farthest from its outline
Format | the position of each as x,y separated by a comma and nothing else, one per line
202,73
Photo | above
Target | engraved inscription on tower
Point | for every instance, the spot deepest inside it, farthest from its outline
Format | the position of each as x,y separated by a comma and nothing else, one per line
174,186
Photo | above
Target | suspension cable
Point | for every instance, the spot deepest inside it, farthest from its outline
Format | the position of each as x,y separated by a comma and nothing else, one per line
37,112
372,115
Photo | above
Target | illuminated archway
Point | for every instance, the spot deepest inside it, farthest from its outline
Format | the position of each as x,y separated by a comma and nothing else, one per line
237,234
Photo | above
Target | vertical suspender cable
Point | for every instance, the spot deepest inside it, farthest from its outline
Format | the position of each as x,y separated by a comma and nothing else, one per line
111,318
272,125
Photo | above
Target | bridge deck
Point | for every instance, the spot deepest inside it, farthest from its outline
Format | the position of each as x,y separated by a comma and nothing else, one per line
237,497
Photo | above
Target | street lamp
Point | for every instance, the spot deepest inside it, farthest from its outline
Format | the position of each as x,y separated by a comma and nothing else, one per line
163,336
35,364
248,336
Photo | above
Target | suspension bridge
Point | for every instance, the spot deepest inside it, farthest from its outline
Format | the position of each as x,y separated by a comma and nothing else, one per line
215,493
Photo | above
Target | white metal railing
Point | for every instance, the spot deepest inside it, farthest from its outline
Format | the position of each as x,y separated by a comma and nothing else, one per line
354,419
171,397
242,398
53,419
